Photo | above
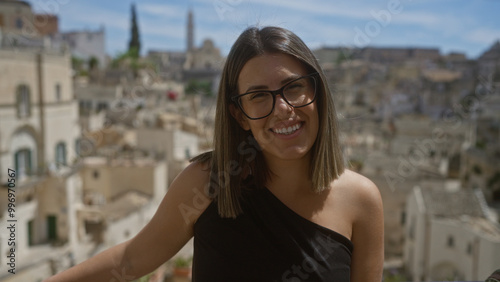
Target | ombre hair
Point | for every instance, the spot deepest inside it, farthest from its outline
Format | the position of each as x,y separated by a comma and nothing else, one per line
236,152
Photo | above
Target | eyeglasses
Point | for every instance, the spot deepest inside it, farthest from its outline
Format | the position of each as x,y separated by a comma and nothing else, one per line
297,93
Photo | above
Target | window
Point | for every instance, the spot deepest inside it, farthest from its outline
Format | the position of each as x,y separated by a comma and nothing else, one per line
60,154
30,232
19,23
23,101
411,229
22,160
451,241
1,20
96,174
58,92
469,248
101,106
52,228
78,143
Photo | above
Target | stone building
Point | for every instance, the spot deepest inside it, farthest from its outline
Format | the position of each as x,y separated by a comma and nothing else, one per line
86,44
63,212
397,55
449,235
169,64
38,133
20,26
15,16
202,63
489,61
39,115
442,89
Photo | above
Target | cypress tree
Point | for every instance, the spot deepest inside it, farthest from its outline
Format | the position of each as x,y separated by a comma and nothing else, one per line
134,46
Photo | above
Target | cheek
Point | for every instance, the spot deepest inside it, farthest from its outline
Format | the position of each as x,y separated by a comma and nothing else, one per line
260,132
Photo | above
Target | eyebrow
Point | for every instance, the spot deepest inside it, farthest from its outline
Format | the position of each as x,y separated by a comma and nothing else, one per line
262,87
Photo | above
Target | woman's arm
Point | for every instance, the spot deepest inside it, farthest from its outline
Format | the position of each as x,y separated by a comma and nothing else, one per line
367,233
169,229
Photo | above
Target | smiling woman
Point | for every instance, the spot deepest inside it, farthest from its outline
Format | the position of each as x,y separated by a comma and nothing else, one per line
272,201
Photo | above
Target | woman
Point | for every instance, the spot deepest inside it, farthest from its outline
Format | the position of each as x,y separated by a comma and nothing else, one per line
273,201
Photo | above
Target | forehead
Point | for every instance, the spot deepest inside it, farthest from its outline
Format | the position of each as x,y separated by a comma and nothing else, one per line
269,70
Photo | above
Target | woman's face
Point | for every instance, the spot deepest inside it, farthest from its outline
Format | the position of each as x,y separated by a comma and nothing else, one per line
287,133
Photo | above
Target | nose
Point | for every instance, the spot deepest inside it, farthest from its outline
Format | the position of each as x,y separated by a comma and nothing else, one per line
281,106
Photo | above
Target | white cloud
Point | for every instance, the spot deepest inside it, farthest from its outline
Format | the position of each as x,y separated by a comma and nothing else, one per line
163,10
483,35
321,7
92,16
317,22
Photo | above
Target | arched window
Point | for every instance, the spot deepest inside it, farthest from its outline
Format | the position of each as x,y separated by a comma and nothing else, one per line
23,101
60,154
22,160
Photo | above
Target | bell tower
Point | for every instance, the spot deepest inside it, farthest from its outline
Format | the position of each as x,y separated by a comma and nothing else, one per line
190,31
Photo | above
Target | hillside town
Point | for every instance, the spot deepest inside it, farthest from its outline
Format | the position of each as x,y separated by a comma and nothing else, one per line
93,143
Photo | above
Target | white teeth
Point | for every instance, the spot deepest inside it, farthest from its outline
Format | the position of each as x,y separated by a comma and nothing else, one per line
289,130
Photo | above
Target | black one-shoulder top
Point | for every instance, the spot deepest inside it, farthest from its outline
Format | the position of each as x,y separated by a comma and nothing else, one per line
267,242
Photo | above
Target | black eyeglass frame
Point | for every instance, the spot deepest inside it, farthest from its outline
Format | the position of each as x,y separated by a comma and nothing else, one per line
274,93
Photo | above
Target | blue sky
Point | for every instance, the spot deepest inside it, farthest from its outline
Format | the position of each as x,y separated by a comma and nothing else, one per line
464,26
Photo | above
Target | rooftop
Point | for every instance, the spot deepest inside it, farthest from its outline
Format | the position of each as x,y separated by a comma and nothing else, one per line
439,202
124,205
442,75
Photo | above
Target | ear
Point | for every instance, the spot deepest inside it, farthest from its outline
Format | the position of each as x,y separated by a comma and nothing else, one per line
239,117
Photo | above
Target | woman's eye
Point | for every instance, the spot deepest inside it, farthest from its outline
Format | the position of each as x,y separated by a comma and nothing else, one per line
258,95
295,87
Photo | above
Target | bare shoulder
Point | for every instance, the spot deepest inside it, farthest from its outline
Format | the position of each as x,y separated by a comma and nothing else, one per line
357,183
195,175
366,211
360,191
192,181
188,192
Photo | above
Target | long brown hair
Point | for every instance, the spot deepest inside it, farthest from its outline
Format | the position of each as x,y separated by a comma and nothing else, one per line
236,150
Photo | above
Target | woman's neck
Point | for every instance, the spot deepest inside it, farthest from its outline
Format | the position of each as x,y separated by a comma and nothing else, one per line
289,175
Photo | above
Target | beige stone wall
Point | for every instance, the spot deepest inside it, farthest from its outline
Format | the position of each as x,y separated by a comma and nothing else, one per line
96,177
127,227
174,143
24,214
34,273
442,255
61,116
57,70
414,251
429,255
17,68
126,178
10,12
61,126
117,177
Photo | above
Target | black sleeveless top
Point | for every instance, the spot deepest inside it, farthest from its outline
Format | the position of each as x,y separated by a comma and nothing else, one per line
267,242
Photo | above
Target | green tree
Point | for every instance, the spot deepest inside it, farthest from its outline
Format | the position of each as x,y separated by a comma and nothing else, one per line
198,87
134,46
93,63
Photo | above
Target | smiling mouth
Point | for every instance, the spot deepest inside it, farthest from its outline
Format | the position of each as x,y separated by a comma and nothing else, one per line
287,130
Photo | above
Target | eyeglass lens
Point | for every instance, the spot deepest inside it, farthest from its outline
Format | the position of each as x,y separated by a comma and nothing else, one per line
261,103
